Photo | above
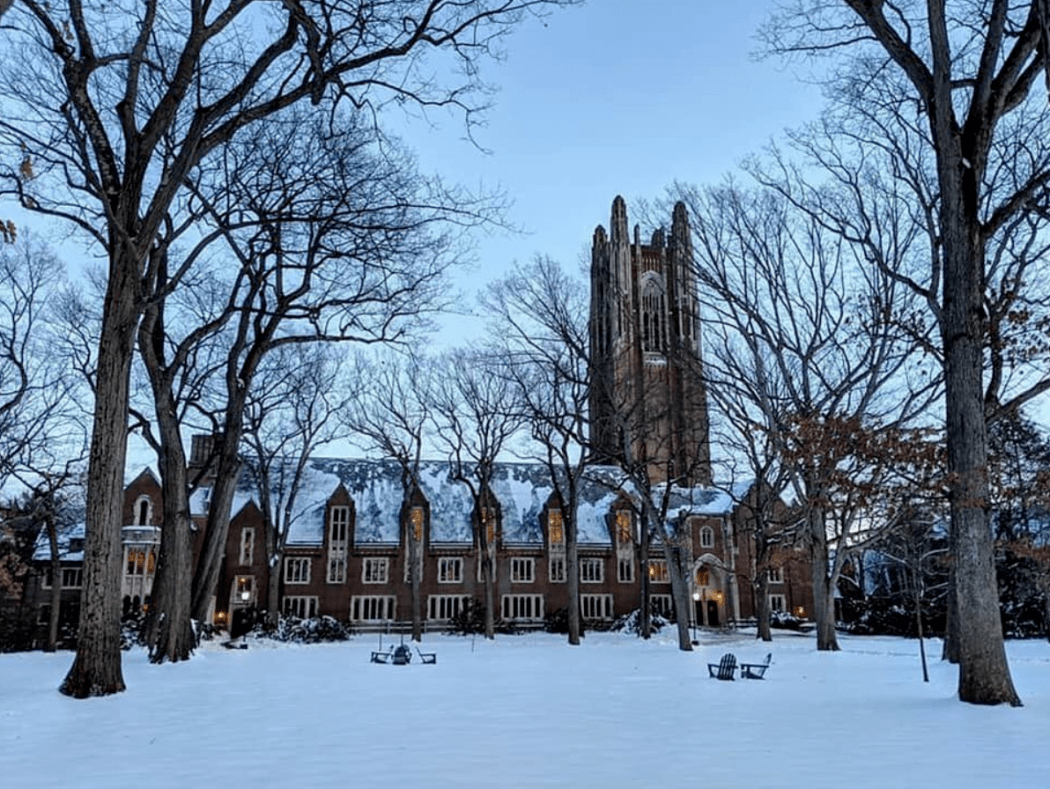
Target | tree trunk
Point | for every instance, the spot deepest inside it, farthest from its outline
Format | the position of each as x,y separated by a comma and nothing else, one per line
56,584
96,669
209,564
417,587
169,628
572,576
674,554
762,612
984,675
823,592
645,624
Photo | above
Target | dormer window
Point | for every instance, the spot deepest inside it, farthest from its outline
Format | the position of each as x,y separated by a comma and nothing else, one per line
555,527
143,511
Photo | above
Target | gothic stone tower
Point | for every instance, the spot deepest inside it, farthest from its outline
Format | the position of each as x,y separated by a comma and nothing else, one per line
646,383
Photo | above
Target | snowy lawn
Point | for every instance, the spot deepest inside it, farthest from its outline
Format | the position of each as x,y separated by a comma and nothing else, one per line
527,711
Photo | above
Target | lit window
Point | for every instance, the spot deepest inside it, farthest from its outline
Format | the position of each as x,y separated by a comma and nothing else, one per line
658,571
707,537
450,570
522,571
247,545
243,590
592,571
557,569
375,571
625,571
488,517
417,518
623,527
555,527
297,570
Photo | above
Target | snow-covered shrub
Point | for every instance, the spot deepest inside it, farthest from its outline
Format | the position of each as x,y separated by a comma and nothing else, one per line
632,622
317,630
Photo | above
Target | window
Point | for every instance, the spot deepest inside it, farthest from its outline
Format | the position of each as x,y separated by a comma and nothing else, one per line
375,571
247,545
336,569
596,606
623,527
775,575
662,604
592,571
300,606
339,526
557,569
707,537
243,590
338,537
522,571
658,571
373,608
72,578
555,527
777,602
488,518
522,606
143,511
625,571
297,570
140,561
445,606
450,570
416,517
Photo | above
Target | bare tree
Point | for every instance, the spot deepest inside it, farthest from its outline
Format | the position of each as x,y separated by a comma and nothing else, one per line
111,108
967,80
474,415
291,412
541,318
806,341
391,415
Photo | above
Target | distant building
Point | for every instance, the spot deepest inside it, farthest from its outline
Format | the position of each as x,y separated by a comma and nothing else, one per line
347,547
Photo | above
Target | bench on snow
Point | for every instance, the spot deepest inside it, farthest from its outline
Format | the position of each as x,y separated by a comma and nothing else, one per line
724,668
755,670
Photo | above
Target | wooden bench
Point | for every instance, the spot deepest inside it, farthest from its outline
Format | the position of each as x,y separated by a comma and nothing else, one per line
755,670
724,668
427,657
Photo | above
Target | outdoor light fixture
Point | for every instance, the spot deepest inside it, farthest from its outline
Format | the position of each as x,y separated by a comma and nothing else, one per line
246,596
696,615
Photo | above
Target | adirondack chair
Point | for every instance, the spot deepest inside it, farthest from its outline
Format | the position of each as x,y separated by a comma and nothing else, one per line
380,657
427,657
755,670
402,655
724,668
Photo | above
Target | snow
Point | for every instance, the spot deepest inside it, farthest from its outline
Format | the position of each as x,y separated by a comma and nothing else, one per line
527,711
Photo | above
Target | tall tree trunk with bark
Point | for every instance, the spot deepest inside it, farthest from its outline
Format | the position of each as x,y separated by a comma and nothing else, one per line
96,669
823,590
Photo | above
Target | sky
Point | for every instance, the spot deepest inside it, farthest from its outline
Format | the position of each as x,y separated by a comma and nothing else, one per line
615,97
528,712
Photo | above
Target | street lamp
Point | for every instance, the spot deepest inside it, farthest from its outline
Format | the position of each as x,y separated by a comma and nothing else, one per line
696,615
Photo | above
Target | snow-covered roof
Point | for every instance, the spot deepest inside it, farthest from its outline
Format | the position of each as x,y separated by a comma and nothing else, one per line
522,490
69,535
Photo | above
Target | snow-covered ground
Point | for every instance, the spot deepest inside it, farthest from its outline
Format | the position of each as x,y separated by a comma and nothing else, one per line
527,711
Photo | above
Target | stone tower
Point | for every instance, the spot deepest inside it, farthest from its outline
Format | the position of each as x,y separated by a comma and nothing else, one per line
646,377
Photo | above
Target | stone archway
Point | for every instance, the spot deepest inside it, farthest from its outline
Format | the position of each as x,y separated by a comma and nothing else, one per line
709,584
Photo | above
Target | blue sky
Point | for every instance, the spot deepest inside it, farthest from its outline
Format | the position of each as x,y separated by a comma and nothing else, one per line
616,97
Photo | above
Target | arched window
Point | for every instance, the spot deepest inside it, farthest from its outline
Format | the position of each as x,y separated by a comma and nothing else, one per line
654,331
143,511
707,537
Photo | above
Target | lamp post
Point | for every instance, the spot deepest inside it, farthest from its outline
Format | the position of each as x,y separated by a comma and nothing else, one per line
696,599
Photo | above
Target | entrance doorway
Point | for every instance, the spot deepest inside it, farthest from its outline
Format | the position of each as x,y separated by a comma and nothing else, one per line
712,613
